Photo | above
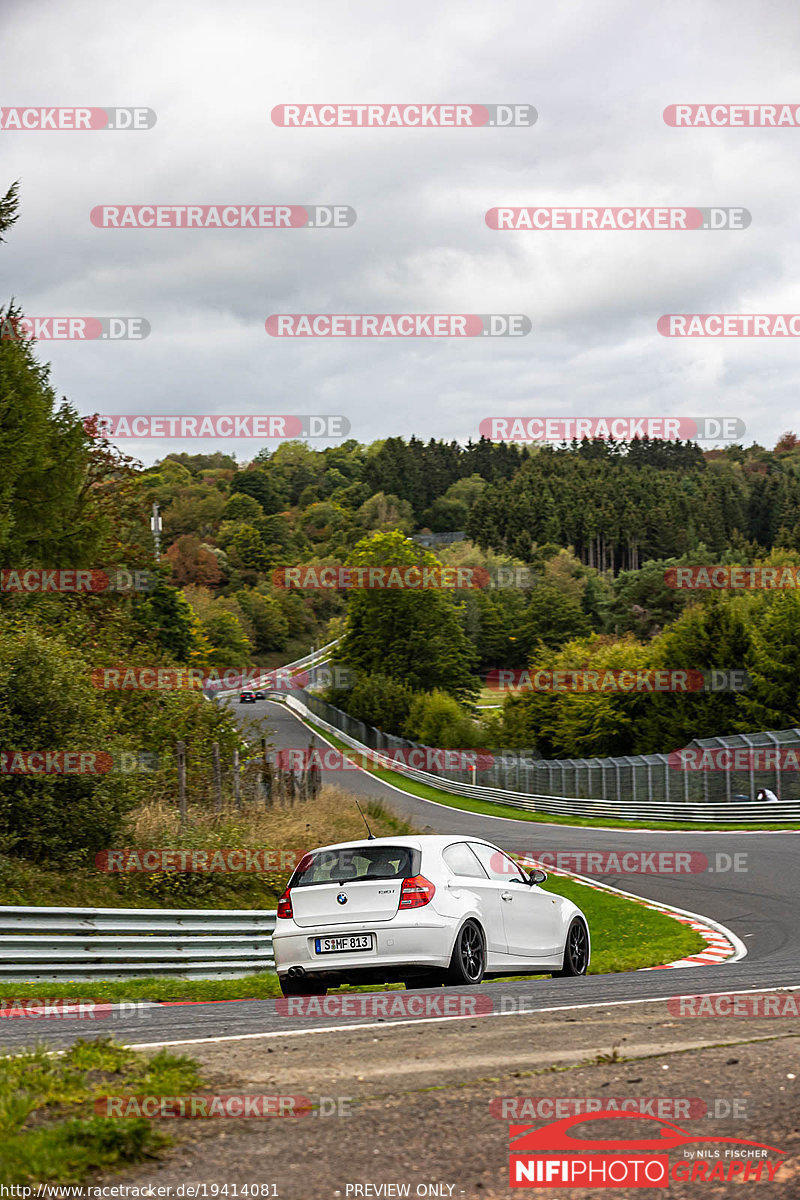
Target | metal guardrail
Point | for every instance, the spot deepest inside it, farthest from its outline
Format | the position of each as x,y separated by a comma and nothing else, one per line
315,658
129,943
766,759
620,809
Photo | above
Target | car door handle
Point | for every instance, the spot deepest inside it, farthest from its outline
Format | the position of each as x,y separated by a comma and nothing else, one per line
506,896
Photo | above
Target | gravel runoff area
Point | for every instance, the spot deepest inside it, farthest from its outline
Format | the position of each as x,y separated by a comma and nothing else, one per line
411,1106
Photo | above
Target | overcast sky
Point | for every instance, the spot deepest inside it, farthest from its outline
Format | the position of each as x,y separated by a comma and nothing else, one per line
599,76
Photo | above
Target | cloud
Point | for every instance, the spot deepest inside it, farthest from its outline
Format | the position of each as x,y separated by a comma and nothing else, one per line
599,78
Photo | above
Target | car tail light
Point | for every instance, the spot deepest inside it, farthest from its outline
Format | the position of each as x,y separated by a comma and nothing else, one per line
285,905
415,892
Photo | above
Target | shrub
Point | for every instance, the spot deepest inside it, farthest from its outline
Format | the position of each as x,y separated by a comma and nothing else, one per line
47,703
436,719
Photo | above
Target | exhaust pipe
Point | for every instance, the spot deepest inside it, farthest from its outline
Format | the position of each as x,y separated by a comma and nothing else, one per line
296,972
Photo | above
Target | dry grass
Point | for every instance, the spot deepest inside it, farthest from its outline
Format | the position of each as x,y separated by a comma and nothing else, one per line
296,826
331,817
301,826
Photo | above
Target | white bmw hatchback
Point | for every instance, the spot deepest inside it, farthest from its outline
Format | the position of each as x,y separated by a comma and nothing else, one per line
422,910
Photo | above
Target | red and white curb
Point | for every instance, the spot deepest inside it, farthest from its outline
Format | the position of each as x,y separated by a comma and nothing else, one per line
722,945
719,947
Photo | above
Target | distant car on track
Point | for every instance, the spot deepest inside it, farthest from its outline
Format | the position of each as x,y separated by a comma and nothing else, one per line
247,697
423,910
260,696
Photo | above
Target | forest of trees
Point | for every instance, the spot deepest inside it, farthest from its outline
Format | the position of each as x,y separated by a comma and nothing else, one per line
619,505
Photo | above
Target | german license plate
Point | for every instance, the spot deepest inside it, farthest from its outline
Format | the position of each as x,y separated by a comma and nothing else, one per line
339,945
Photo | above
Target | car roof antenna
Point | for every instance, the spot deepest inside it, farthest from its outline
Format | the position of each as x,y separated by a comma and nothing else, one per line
370,835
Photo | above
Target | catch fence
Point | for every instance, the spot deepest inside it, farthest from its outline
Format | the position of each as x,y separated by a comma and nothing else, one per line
624,785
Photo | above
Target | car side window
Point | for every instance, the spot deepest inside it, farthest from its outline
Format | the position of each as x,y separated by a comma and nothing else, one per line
462,861
498,865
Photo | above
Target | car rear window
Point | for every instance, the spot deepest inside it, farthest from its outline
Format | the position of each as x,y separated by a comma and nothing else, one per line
356,862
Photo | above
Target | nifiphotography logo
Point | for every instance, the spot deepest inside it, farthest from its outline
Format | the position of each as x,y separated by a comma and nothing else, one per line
552,1156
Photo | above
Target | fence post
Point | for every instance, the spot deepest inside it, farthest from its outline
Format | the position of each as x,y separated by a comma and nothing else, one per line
180,750
237,789
217,777
266,777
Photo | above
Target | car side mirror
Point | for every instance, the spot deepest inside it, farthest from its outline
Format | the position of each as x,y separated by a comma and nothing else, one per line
532,878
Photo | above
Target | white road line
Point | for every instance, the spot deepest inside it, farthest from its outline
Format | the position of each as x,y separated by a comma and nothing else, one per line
243,1037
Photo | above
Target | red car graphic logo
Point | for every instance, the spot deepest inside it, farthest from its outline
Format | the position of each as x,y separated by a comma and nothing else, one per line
557,1136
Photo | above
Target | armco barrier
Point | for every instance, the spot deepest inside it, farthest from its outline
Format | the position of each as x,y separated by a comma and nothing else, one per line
316,658
737,812
126,943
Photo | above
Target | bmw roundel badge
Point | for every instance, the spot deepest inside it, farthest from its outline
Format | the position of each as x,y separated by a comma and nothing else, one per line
342,898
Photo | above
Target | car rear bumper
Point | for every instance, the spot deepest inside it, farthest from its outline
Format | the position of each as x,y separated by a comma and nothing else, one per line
425,945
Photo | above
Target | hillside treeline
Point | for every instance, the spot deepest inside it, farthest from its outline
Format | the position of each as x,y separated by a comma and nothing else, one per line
619,505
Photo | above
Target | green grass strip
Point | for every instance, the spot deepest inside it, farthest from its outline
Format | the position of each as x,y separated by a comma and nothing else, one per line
49,1132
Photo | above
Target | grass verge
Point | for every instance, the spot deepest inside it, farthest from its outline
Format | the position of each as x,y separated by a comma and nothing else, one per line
165,988
48,1130
626,936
